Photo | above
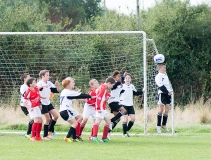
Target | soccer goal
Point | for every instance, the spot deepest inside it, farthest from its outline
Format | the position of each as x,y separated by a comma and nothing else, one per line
82,55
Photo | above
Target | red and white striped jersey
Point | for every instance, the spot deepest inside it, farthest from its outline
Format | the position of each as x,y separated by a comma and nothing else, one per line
33,96
90,101
102,96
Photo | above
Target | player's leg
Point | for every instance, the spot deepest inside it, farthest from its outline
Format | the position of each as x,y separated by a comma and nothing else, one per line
78,127
39,127
106,128
118,111
45,113
99,117
131,123
53,120
53,132
165,117
124,125
31,121
83,124
159,118
72,131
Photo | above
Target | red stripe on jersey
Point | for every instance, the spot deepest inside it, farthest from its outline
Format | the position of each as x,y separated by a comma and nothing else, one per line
102,96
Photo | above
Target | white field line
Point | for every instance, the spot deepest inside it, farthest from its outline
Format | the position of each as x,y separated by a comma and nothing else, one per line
88,133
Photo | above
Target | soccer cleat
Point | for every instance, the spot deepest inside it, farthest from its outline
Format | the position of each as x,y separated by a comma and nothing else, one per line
75,140
165,128
124,135
47,138
79,138
67,139
158,129
104,140
38,139
50,135
127,133
33,139
94,139
28,136
53,133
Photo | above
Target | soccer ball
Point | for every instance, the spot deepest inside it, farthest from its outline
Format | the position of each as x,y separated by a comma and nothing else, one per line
159,58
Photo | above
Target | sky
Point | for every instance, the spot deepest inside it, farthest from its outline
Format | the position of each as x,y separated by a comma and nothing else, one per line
128,6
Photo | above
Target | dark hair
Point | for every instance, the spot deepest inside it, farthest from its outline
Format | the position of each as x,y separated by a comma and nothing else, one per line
29,81
24,76
110,80
128,74
115,73
42,73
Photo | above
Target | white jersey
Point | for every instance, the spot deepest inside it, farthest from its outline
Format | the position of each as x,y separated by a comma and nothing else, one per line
115,93
67,96
45,91
23,89
126,97
162,79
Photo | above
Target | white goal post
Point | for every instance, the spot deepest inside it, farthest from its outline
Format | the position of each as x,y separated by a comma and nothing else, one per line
81,54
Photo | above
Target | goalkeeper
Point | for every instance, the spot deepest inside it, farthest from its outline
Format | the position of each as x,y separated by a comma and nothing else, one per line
164,97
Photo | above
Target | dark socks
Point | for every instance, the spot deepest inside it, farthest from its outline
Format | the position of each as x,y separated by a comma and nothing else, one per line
120,114
30,126
71,132
124,127
130,124
165,117
51,126
159,117
45,130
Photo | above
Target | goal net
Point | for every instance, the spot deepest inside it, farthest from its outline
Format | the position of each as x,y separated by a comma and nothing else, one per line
81,55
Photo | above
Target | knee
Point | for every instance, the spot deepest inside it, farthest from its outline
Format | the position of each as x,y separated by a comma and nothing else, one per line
47,119
84,121
74,125
133,119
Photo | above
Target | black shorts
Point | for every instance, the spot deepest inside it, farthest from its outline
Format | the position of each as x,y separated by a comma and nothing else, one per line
67,115
114,106
129,109
46,108
25,110
164,99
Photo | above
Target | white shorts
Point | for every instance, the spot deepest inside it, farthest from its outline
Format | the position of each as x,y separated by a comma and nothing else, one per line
102,115
89,111
35,113
69,114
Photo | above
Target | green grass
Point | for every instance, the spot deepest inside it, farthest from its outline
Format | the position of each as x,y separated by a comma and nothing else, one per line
182,146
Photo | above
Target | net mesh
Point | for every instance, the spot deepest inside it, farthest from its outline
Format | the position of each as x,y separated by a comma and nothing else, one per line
81,56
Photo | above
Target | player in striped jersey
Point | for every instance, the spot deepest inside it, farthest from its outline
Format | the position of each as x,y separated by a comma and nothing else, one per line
67,112
89,106
46,87
126,100
23,89
101,113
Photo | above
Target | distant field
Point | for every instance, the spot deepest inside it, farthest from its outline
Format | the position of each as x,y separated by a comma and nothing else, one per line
181,146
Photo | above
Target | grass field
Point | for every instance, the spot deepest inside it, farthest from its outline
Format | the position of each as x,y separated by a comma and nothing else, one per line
181,146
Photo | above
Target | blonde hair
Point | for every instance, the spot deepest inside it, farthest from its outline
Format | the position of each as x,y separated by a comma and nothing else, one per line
91,82
70,78
42,73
